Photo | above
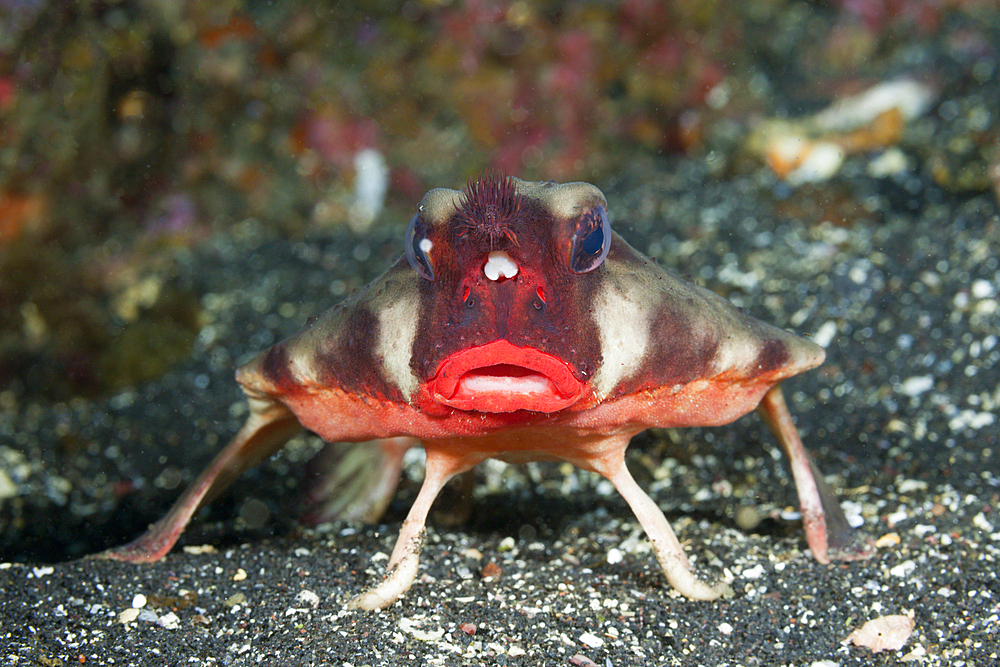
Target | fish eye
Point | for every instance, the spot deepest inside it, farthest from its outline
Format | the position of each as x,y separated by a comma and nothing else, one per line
591,240
418,248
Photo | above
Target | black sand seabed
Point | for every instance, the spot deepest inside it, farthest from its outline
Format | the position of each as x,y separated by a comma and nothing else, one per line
902,417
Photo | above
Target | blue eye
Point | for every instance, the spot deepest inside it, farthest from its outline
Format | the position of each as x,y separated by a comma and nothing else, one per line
591,240
418,248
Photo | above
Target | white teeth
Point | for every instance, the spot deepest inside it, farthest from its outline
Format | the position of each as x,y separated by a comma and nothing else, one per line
499,264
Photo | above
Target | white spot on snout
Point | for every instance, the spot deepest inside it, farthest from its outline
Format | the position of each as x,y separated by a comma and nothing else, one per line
499,264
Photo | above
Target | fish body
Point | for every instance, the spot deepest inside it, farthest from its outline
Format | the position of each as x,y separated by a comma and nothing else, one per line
517,325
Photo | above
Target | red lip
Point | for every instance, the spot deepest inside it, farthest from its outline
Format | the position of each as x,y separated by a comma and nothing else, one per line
501,377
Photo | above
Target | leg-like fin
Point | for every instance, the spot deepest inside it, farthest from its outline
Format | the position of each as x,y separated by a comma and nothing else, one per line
669,552
355,481
828,533
402,568
268,428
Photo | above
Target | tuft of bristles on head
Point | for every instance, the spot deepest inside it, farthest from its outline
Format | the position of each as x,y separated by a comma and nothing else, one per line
488,206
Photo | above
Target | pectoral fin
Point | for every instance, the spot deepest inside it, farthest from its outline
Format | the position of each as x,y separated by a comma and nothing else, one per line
442,465
668,550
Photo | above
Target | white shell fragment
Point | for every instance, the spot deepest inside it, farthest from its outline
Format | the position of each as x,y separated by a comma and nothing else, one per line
819,163
169,621
499,264
307,598
882,633
415,627
911,97
128,615
812,149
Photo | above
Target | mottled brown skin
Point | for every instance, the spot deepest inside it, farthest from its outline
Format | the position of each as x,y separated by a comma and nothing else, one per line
518,327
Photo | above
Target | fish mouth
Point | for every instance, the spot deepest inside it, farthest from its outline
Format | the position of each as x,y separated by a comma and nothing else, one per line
501,377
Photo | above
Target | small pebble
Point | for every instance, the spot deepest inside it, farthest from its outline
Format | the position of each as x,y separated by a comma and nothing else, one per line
170,621
128,615
308,598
